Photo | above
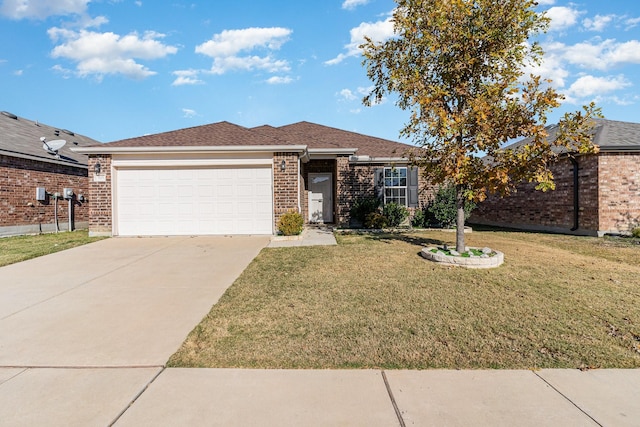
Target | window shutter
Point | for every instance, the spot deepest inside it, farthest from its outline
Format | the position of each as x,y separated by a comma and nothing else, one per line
378,183
412,184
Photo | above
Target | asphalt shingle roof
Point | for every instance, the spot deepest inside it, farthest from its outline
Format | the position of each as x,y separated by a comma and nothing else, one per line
211,135
20,137
303,133
609,135
325,137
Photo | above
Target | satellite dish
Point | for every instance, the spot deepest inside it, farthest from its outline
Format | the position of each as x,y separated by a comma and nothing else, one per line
53,146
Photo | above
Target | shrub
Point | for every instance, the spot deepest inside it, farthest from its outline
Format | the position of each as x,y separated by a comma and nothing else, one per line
419,219
395,214
364,206
375,220
291,223
636,232
443,207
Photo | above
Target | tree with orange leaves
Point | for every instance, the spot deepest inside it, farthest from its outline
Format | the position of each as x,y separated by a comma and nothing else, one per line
457,66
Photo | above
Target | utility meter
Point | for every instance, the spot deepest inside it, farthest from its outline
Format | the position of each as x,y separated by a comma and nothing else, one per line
68,193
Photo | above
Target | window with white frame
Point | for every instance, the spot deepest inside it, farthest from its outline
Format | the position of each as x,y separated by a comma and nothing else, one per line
395,185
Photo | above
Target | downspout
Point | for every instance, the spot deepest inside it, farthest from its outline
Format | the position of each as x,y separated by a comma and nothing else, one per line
576,194
299,173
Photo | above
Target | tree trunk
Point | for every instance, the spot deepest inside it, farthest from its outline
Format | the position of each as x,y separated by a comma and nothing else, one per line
460,204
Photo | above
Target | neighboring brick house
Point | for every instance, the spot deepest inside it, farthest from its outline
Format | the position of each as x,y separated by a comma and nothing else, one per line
595,194
227,179
26,164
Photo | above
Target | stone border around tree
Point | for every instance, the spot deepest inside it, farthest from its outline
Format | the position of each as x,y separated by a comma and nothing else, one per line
471,262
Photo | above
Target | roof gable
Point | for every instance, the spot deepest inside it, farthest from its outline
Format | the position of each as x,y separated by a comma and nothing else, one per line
215,134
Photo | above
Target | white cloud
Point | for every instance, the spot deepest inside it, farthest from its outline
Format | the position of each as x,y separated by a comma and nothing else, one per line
99,54
232,42
18,73
226,46
347,95
188,113
377,31
352,4
42,9
186,77
276,80
224,64
604,54
546,2
632,23
598,23
562,17
552,67
589,86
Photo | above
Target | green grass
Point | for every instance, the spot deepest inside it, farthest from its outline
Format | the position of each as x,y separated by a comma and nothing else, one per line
21,248
373,302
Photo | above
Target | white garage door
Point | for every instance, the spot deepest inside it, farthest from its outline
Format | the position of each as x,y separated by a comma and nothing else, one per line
192,201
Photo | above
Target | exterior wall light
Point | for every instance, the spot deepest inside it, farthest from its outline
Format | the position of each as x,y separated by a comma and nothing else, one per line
283,165
96,168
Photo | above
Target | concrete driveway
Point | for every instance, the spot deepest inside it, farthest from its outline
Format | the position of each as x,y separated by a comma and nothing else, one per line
116,302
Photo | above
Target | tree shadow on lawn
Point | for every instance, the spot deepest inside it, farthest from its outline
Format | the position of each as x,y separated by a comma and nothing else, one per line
407,238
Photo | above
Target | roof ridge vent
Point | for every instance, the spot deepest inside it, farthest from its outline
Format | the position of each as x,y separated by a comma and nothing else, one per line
10,115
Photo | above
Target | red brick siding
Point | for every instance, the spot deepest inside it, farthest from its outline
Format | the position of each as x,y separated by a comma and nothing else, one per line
552,210
100,221
19,179
285,184
619,195
357,180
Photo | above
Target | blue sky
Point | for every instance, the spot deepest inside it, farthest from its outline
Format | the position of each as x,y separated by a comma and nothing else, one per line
114,69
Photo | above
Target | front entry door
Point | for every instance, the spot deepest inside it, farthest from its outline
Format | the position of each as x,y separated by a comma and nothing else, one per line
320,198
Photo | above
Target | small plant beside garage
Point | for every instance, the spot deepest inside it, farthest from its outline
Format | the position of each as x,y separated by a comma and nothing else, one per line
291,224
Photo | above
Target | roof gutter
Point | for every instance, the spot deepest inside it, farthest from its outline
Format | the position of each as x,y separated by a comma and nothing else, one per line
191,149
369,159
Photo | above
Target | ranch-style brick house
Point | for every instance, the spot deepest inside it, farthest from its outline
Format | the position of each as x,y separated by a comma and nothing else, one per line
26,165
223,178
595,194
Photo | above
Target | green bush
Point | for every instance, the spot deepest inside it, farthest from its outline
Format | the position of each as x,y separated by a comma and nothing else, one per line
395,214
363,206
419,219
443,207
636,232
375,220
291,223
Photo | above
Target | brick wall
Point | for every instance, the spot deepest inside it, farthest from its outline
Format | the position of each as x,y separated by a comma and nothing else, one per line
548,211
357,180
619,195
19,210
100,220
285,184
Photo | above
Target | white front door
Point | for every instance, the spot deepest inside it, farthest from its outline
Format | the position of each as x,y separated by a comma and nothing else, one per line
320,198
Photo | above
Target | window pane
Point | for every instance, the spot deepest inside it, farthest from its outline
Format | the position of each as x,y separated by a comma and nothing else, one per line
403,182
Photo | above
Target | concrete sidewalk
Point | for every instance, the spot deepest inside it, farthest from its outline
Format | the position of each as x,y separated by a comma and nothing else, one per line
234,397
218,397
314,235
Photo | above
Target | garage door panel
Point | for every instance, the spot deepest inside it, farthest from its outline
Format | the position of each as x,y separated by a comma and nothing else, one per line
194,201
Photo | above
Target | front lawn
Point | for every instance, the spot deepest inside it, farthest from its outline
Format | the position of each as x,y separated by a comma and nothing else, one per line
22,248
373,302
